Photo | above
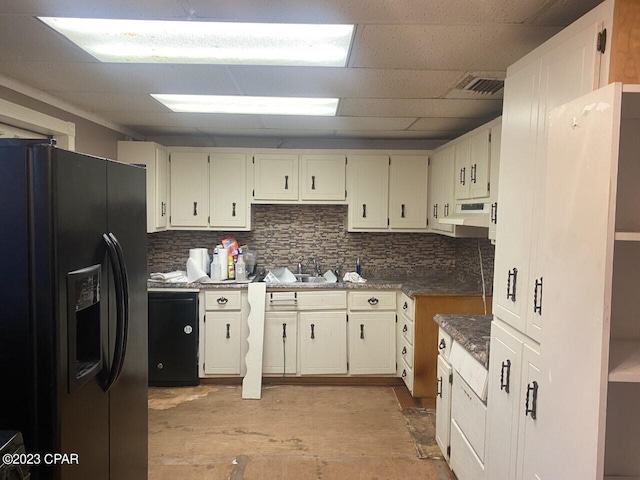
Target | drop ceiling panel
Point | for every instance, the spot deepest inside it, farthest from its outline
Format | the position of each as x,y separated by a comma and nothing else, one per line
472,47
394,134
365,11
562,12
104,103
344,82
96,8
193,120
122,78
416,107
335,123
447,124
270,132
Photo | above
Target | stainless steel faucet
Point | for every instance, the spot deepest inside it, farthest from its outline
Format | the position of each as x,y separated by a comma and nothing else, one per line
315,265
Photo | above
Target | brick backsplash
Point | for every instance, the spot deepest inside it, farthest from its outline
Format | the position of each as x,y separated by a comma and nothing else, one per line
283,235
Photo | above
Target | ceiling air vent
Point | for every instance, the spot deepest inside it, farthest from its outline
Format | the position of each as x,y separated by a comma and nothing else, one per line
480,85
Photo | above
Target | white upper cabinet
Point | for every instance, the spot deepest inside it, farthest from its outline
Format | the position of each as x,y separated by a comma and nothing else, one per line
462,155
228,190
494,183
275,176
408,191
479,164
322,177
368,192
154,157
441,189
189,172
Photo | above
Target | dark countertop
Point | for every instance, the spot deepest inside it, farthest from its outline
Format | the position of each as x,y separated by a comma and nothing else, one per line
473,332
430,284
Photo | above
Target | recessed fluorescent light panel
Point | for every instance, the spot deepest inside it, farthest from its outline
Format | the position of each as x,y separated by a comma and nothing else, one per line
191,42
249,105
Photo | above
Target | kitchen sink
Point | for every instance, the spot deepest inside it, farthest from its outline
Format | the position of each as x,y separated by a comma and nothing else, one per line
312,279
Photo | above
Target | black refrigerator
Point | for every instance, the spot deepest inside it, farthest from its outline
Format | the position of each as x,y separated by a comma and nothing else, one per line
73,308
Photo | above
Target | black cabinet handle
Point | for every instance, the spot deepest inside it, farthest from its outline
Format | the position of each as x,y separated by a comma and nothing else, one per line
313,182
233,209
463,180
474,172
404,350
511,284
402,211
405,329
373,301
284,330
494,212
442,344
506,367
313,333
435,211
228,330
404,373
405,306
439,387
532,389
163,210
362,331
286,182
364,210
537,298
222,300
195,208
446,209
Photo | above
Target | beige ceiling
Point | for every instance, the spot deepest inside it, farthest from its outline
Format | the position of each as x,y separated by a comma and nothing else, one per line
407,58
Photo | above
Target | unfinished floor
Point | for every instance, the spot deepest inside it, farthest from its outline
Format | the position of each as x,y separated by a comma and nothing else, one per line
293,432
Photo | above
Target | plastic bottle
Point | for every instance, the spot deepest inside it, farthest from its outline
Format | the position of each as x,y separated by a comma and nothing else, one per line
358,266
231,268
216,273
241,270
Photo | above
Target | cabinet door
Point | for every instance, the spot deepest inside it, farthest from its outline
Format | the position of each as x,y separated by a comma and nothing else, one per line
567,72
368,191
443,405
494,169
442,181
503,406
322,177
275,177
228,187
323,342
462,155
161,180
519,123
223,340
408,192
280,343
530,440
189,189
478,177
372,343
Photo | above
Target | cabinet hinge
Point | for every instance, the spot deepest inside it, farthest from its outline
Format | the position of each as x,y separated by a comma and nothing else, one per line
602,41
204,319
253,192
396,318
347,318
169,218
346,161
345,194
347,366
253,160
427,221
387,222
428,161
451,378
209,219
448,451
488,186
489,137
389,160
208,159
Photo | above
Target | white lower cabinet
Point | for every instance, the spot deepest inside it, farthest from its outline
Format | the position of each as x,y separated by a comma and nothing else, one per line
443,406
280,343
323,343
464,462
223,342
512,420
372,343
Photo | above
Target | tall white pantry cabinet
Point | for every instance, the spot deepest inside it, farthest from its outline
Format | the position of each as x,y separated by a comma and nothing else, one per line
565,345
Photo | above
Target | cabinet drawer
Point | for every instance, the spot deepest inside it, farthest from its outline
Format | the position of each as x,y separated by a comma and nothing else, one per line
407,306
444,343
323,300
282,301
406,352
372,300
406,329
463,461
469,413
222,300
406,372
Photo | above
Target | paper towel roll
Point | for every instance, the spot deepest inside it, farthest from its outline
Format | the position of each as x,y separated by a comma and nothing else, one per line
201,257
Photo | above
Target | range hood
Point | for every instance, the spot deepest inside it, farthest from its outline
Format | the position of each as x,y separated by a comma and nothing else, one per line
469,215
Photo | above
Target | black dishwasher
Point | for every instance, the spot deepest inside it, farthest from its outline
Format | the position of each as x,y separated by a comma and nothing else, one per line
173,338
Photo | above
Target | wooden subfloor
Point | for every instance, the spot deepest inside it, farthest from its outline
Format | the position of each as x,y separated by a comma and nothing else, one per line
293,432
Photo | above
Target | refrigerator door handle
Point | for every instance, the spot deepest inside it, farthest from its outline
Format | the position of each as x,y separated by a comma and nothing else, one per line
125,300
117,278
